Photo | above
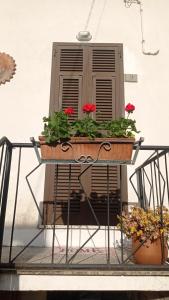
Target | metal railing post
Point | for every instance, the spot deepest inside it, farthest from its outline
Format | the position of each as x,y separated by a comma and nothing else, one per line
140,188
4,195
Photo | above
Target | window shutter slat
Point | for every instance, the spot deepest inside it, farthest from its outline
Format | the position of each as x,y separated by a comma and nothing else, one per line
104,97
70,94
71,60
104,60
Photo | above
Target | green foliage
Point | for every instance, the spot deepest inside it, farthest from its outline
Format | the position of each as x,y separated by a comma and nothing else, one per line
56,127
86,127
120,128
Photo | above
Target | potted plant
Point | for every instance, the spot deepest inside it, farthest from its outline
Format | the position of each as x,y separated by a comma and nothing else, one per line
148,230
86,139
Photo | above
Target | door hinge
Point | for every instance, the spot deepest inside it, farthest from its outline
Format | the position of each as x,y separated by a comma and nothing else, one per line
54,53
120,55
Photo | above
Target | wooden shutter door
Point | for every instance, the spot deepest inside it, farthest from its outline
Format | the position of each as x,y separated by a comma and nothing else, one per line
84,73
66,90
105,67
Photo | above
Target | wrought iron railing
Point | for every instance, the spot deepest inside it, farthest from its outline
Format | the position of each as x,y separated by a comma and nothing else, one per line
151,185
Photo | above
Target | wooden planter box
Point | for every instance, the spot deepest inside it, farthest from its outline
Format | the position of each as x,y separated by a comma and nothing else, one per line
81,148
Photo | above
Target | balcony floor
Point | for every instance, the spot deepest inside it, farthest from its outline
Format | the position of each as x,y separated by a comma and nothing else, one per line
39,255
87,258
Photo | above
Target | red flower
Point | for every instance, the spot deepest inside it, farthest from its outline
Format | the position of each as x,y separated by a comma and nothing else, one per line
129,108
69,111
89,107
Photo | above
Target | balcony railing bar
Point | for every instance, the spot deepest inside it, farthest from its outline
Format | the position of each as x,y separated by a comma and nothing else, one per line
147,198
3,167
159,181
4,187
54,214
138,191
156,186
160,177
166,172
152,157
2,155
32,193
152,185
26,246
15,203
144,192
68,215
108,218
121,232
4,141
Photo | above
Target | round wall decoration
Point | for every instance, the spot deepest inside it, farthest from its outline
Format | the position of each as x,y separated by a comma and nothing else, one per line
7,67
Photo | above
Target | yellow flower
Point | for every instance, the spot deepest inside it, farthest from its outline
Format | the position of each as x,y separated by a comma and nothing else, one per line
139,233
132,229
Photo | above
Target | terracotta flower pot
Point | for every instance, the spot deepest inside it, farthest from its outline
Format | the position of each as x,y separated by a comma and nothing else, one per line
83,148
150,253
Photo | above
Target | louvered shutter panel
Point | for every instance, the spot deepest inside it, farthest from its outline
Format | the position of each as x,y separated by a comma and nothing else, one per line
84,73
105,77
104,96
66,78
71,60
107,82
66,92
104,60
70,94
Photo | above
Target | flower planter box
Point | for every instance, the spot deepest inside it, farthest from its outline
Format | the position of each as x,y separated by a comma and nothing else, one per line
81,149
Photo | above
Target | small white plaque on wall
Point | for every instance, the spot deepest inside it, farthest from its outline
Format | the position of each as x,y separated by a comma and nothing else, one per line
130,78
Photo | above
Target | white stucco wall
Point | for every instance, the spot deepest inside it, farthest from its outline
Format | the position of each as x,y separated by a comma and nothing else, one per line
28,29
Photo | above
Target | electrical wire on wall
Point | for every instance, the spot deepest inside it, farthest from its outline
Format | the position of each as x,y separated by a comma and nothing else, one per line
89,15
85,35
128,4
100,16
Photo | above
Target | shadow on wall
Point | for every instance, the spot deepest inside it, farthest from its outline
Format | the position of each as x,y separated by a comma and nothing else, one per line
56,212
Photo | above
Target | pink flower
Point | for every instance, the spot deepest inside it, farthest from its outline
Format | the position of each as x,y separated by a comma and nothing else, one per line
129,108
69,111
89,107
